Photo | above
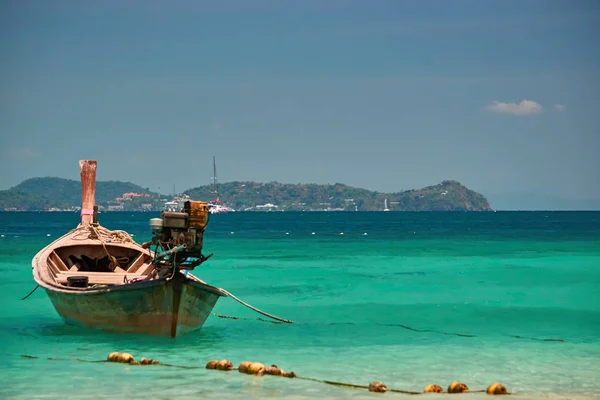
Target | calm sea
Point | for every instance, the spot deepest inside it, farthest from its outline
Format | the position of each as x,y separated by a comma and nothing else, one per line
488,277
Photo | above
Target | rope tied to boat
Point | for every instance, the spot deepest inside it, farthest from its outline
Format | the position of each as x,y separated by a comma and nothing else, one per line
93,232
30,293
104,235
266,314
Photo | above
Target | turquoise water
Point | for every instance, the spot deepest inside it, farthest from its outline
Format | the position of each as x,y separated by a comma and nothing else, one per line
493,276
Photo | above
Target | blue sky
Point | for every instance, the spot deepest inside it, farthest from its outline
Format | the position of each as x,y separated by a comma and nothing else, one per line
503,96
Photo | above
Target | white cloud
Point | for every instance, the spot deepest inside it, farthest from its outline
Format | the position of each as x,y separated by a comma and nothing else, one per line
559,107
526,107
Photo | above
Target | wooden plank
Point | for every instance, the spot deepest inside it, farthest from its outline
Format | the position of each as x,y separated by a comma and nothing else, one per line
58,262
147,269
135,265
87,173
107,280
98,278
86,273
52,267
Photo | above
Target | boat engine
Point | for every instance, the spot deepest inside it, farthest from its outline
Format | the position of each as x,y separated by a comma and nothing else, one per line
178,236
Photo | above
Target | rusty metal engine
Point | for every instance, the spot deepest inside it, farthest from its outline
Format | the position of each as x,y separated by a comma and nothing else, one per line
178,236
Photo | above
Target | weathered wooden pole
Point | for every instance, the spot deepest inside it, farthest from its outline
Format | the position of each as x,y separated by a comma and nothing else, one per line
87,169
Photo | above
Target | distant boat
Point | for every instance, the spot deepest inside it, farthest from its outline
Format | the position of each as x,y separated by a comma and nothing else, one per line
103,279
385,207
215,206
176,204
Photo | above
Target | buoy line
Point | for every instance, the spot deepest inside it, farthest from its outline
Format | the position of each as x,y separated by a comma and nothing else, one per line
260,369
387,325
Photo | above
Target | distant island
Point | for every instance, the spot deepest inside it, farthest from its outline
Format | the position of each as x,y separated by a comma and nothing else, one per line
57,194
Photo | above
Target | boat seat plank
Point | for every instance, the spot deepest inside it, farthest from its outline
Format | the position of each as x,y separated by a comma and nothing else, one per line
58,262
88,273
135,265
98,278
147,269
52,267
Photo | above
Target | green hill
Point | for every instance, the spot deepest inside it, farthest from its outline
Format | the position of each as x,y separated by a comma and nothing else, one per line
55,193
44,193
446,196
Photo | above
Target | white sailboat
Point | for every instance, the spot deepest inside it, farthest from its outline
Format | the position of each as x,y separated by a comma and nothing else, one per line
385,207
215,206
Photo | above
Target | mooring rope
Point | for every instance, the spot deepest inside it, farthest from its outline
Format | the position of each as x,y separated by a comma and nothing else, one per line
30,293
388,325
286,321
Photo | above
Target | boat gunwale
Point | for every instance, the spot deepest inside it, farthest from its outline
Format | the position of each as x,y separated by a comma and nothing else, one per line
43,255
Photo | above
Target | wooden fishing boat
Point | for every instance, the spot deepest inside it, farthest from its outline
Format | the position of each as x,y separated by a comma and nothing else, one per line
103,279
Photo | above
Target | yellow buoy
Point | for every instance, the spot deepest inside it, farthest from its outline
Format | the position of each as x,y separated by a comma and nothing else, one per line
377,387
224,365
125,358
212,364
457,387
243,368
256,368
273,370
433,389
145,361
496,389
113,357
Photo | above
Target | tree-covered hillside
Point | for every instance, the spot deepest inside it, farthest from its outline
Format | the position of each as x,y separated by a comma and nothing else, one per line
446,196
45,193
56,193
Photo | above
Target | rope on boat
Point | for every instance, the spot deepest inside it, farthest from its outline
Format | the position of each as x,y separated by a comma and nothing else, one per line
105,235
101,233
259,369
286,321
30,293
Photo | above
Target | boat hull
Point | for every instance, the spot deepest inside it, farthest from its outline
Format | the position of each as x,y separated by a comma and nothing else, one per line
161,307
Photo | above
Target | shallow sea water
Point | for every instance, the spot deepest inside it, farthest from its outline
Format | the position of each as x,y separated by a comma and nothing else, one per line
383,306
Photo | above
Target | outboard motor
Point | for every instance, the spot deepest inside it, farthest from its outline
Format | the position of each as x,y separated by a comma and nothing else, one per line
178,236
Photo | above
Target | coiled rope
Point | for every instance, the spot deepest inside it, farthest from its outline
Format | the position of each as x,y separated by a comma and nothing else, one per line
84,232
104,235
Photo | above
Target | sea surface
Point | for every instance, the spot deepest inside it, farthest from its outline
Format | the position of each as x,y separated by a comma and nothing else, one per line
408,299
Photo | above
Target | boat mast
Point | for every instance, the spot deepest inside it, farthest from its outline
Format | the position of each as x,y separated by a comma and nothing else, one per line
87,171
215,188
